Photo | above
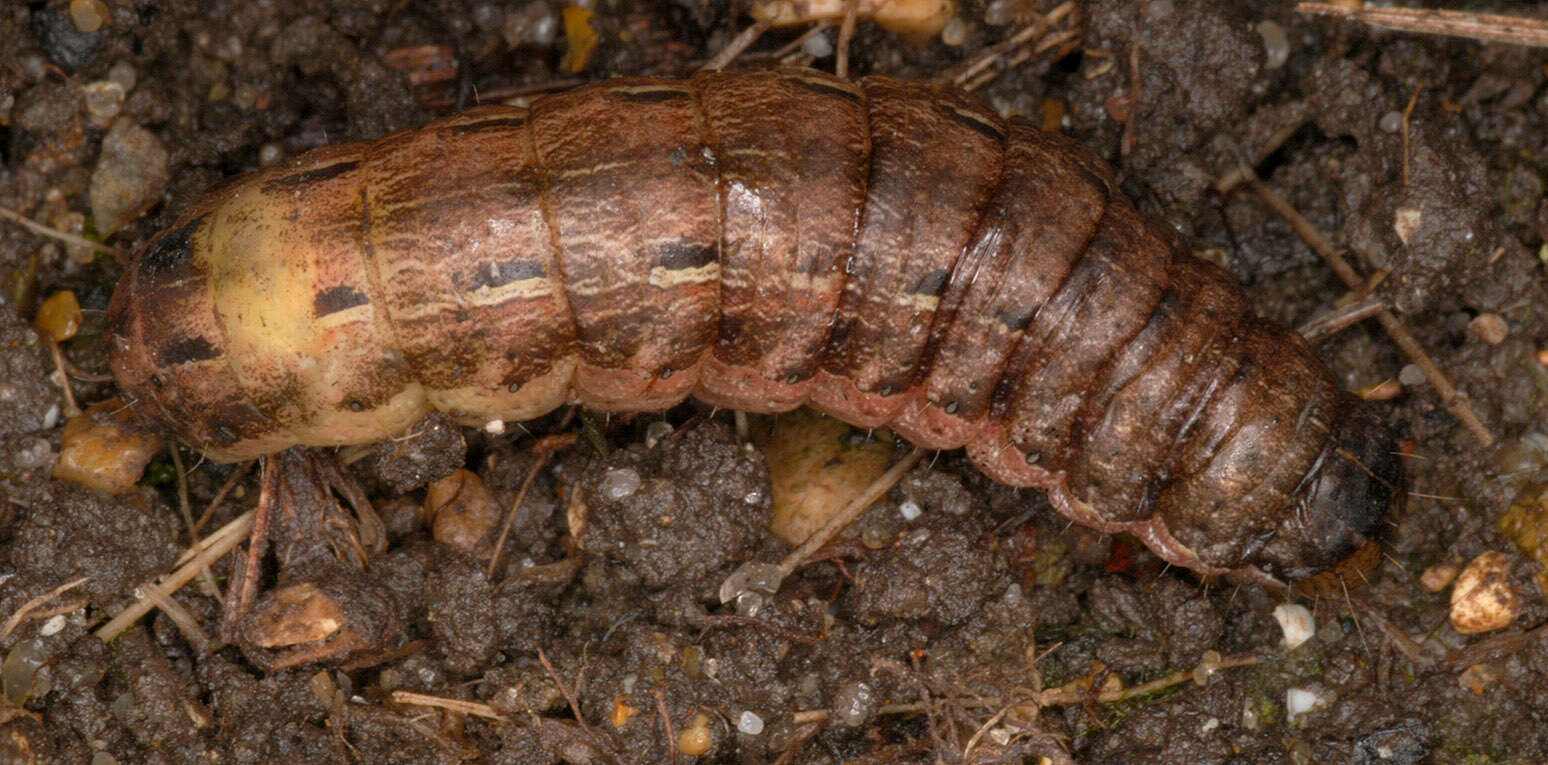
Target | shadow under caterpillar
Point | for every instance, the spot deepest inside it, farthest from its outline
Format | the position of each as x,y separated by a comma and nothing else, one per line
890,253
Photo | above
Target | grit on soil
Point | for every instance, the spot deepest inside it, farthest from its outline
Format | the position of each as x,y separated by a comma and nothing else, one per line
957,616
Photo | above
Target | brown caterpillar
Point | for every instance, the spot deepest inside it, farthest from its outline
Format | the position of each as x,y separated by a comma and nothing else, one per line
891,253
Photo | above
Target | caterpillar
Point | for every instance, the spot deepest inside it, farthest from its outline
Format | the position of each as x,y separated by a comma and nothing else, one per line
890,253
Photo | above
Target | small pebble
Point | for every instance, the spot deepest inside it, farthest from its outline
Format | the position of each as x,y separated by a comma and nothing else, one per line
1490,327
1477,678
1406,221
53,625
749,723
1439,576
1276,45
1391,122
89,15
1483,598
656,431
124,74
910,510
696,739
818,46
104,100
955,32
270,153
619,483
1001,12
66,45
1299,701
1296,621
131,172
854,704
1411,376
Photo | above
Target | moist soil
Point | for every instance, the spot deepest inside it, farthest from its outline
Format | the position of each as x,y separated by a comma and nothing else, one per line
927,630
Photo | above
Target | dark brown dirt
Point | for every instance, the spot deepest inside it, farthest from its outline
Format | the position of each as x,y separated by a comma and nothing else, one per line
601,628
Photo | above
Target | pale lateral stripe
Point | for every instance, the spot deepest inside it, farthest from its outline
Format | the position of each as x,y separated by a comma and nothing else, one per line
351,315
537,286
662,277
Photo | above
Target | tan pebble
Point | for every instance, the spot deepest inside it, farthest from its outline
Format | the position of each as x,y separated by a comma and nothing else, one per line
1477,678
1542,357
462,512
1483,598
1439,576
622,712
299,613
88,15
1490,327
696,739
1406,221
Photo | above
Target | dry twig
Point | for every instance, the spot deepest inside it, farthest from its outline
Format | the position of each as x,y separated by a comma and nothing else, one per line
197,558
1485,27
1455,401
54,233
762,576
27,608
441,702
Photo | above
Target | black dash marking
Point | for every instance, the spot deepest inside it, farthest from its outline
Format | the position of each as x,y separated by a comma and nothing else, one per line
335,299
1017,318
679,255
187,350
652,96
827,89
987,129
494,124
311,176
493,274
169,251
933,283
1096,181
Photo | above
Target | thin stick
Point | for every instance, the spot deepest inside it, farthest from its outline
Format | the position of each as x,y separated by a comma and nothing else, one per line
788,48
1408,112
964,73
858,505
1487,27
510,515
846,36
28,607
71,408
54,233
1071,693
182,575
441,702
186,623
1341,317
569,696
666,722
738,44
220,496
1455,401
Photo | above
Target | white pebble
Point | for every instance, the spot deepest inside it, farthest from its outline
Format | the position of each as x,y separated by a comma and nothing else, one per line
1297,623
494,427
1276,45
749,723
1299,701
909,510
619,483
818,46
54,624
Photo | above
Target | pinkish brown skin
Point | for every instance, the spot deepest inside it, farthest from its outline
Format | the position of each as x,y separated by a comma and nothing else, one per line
890,253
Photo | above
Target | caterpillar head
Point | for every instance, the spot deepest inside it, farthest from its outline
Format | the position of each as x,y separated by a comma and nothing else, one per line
1345,502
